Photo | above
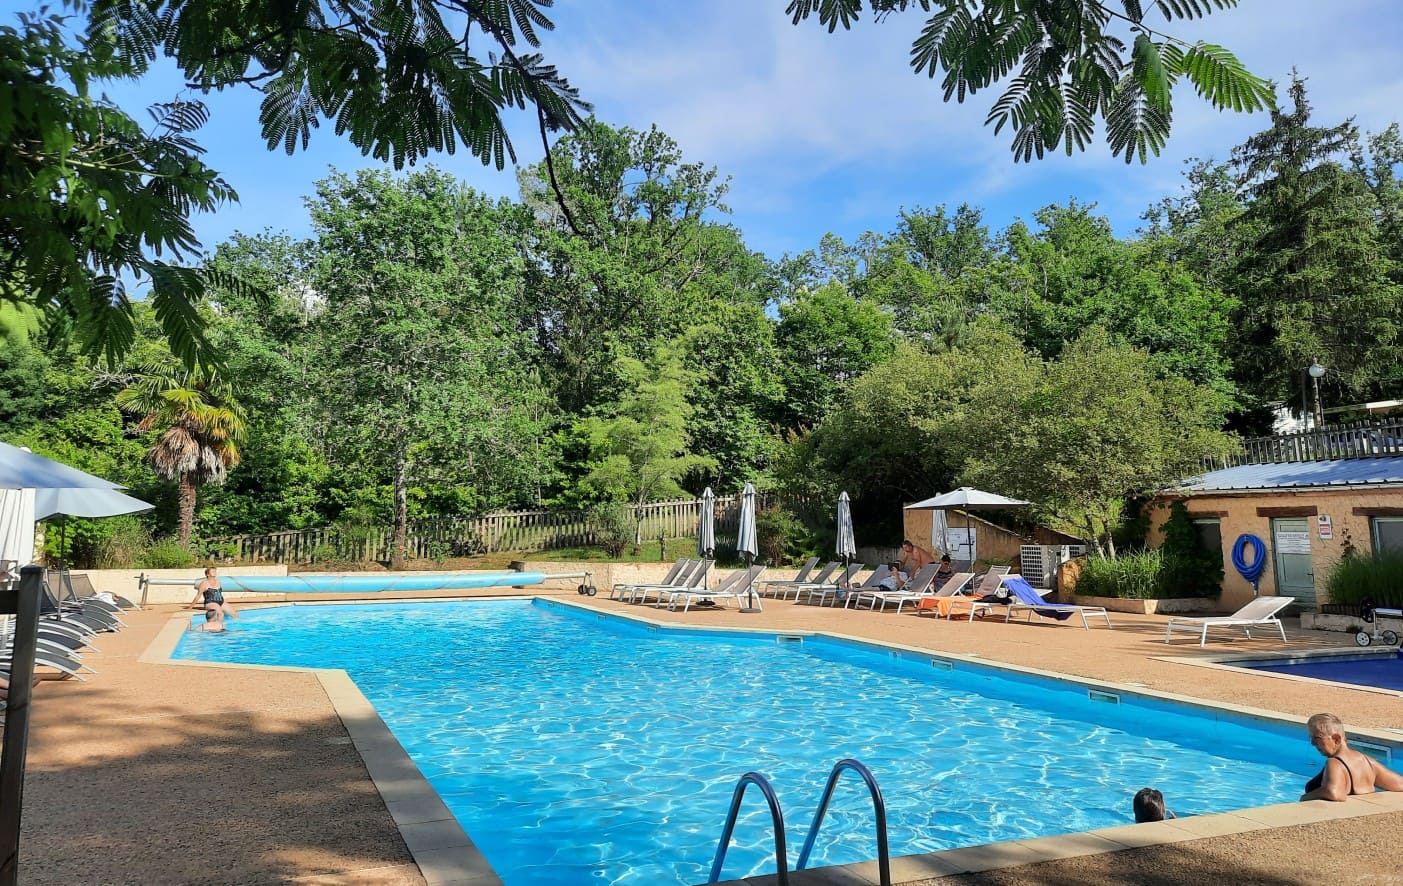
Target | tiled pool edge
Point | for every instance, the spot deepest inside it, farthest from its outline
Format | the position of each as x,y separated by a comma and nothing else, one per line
442,850
446,855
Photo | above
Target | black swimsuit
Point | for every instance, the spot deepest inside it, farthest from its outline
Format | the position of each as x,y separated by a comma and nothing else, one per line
214,595
1319,779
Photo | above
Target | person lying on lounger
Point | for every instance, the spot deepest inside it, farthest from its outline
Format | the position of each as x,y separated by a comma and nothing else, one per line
1352,772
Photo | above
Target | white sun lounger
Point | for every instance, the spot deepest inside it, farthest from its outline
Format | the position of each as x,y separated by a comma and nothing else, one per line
678,570
827,585
915,590
1261,612
733,588
780,586
992,579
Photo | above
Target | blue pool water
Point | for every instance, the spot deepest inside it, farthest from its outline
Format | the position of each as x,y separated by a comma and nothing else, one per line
577,748
1383,672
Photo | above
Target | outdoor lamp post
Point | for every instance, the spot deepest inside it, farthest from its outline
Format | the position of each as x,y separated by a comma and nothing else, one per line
1317,372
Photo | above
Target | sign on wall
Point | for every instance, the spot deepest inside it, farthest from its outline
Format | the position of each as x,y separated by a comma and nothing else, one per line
1327,530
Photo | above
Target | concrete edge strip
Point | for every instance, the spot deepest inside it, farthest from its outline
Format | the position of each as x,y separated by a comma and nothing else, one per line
442,850
446,854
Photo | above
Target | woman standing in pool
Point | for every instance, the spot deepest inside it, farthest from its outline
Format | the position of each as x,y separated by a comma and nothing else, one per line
1354,772
213,593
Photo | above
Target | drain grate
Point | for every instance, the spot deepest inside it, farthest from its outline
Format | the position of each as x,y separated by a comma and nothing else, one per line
1103,697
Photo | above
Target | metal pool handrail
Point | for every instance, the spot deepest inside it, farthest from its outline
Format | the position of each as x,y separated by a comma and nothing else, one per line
878,805
781,852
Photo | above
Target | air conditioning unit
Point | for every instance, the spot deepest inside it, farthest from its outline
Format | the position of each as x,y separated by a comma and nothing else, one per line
1039,562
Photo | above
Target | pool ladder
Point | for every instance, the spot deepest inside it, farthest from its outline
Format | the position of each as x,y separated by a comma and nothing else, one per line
879,807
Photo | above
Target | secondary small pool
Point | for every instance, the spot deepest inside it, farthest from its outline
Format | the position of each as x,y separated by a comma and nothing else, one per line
1381,670
580,748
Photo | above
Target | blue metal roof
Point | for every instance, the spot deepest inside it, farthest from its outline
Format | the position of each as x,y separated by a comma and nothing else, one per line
1298,474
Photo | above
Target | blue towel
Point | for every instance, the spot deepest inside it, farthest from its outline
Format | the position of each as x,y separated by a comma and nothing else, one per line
1025,593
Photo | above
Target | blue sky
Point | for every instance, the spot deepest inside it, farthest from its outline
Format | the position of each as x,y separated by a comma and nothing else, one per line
823,132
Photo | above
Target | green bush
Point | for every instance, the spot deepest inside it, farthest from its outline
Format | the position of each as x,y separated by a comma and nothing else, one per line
1189,570
781,535
1378,577
124,548
613,526
166,554
1133,576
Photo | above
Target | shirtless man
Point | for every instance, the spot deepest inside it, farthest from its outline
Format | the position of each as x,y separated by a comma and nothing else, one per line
214,621
913,558
1346,771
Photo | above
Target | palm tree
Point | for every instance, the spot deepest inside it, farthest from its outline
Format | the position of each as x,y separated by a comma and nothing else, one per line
203,427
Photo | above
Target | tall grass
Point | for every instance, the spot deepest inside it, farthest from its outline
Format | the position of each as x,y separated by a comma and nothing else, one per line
1377,577
1134,576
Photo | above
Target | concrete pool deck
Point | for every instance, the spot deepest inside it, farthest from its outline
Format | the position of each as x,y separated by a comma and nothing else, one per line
160,772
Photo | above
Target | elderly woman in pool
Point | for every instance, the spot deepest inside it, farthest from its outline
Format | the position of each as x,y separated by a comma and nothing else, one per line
213,593
1347,771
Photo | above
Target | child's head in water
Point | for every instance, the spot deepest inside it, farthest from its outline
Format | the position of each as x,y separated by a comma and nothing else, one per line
1149,805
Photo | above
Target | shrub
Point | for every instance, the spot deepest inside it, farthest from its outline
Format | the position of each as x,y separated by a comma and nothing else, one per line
1134,576
781,535
124,547
1377,577
613,526
1189,569
167,554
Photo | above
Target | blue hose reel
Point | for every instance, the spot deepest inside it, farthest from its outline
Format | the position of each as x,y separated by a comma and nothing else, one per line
1250,571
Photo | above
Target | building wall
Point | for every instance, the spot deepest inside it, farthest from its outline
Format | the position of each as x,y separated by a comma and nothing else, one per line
993,542
1252,512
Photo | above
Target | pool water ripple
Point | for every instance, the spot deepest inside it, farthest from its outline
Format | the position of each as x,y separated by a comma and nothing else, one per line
576,750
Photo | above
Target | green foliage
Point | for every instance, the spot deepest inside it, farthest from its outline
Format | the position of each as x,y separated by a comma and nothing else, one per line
168,553
93,199
1065,65
613,526
782,536
1081,435
826,339
1377,577
1137,576
638,450
1189,570
351,62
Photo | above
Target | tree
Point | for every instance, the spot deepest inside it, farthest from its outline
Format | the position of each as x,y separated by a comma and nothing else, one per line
88,198
423,377
397,78
199,427
1317,281
1068,66
1085,433
826,339
639,449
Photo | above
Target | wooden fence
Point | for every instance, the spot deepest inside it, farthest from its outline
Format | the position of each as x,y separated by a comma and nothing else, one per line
1365,439
517,531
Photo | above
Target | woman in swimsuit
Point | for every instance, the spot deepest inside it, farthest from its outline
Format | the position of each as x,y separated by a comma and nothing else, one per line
213,594
1354,772
944,572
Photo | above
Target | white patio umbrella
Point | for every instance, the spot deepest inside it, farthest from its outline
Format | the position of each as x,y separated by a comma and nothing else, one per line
22,469
747,541
847,542
81,502
747,545
706,525
21,474
967,499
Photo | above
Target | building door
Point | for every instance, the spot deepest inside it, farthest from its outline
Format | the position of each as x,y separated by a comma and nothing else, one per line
1295,575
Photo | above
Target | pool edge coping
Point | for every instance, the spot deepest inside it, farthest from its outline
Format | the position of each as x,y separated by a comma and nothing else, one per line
445,853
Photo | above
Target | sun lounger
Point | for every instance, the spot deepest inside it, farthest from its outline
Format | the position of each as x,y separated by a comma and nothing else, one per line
805,575
914,590
1261,612
939,602
695,579
735,587
678,571
838,592
827,585
1027,599
972,604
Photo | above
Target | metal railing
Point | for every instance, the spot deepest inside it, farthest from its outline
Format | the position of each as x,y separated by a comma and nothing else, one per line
879,806
776,816
1364,439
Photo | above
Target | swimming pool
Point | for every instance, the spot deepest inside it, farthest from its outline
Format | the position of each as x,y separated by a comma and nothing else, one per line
1381,670
580,748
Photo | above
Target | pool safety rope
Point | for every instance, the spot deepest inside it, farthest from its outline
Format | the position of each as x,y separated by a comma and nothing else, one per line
1250,571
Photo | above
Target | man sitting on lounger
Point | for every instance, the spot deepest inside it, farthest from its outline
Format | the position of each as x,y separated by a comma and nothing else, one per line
1347,772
